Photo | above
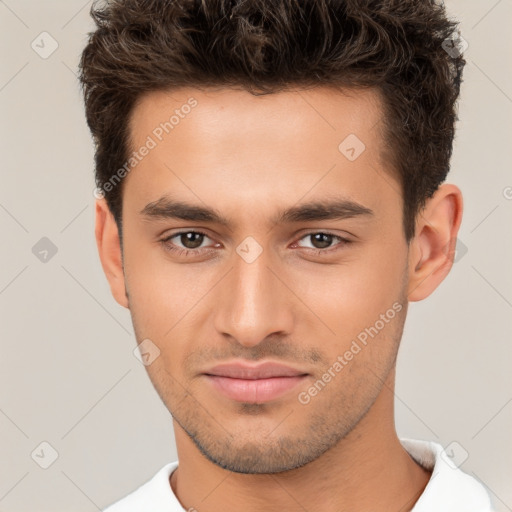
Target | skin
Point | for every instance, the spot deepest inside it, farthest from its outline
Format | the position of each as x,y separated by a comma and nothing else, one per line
250,158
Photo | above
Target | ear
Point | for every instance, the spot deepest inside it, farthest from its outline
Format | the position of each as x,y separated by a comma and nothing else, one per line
432,249
109,248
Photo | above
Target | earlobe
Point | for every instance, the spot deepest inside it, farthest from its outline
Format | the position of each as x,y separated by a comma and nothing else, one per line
433,247
109,249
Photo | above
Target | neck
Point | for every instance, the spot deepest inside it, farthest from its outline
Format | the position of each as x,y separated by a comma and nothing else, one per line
368,470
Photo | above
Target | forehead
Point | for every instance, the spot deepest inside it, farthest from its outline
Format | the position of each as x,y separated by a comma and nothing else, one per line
220,144
226,109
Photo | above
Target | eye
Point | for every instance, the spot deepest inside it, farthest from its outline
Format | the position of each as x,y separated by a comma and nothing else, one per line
185,242
322,242
191,243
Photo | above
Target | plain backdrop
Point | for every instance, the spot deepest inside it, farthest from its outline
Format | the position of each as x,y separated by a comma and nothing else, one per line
68,375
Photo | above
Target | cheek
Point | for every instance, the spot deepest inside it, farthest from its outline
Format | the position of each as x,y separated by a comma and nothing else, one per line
162,309
163,297
153,290
352,296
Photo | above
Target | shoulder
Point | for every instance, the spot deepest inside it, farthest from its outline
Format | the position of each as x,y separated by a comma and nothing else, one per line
449,488
155,494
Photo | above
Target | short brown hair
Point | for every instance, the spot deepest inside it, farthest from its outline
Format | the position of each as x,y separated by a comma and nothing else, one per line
265,46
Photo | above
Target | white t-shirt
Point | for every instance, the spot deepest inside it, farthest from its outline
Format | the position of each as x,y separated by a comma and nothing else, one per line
448,490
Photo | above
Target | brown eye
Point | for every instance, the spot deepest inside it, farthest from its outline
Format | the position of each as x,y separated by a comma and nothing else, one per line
191,239
323,242
187,243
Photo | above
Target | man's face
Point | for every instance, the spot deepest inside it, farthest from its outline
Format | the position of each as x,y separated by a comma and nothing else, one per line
305,291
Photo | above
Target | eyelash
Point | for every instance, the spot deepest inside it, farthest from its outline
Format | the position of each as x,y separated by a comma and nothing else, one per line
186,252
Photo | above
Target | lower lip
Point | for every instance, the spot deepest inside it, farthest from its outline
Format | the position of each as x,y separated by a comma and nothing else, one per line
256,390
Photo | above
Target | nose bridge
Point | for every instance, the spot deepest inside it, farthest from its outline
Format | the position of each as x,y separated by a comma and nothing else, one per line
252,305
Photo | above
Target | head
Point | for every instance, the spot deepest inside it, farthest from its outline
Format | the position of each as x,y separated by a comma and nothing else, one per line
272,175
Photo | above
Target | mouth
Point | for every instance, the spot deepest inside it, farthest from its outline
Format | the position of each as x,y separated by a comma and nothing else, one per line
243,382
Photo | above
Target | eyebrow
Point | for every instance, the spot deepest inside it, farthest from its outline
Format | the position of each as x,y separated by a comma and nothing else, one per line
327,209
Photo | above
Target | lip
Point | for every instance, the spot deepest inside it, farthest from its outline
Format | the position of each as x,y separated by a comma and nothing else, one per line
243,370
251,383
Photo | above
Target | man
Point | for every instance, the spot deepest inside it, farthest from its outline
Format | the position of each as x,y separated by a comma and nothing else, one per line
270,181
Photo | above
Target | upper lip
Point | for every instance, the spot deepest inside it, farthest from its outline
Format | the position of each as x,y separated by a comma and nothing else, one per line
243,370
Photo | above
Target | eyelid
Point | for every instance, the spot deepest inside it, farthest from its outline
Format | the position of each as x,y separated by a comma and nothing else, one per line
203,232
199,231
171,247
342,240
345,234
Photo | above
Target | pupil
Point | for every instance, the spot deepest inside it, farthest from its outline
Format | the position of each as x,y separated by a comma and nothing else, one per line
191,240
323,239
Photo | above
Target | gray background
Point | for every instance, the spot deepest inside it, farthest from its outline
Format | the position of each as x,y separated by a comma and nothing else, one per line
68,375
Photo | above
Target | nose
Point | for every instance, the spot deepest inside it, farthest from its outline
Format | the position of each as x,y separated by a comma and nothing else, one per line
253,303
